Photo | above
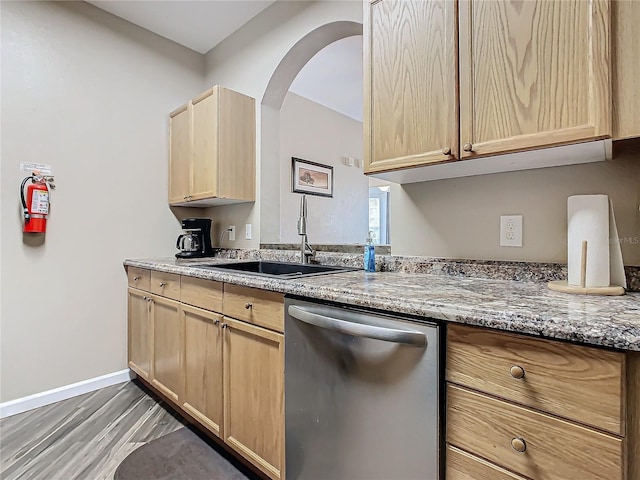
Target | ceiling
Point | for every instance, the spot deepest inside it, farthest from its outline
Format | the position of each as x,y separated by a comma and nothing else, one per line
333,77
198,25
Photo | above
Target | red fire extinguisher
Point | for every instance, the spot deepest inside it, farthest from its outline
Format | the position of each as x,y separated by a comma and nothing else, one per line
36,205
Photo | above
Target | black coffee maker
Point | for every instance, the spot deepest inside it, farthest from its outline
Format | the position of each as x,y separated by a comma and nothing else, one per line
195,242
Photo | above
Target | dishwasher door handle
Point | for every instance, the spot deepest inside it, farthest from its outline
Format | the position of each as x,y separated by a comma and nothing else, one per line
312,317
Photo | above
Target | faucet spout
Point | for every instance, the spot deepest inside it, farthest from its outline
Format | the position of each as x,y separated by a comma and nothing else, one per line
306,252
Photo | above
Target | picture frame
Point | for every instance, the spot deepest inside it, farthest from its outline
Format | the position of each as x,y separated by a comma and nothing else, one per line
311,178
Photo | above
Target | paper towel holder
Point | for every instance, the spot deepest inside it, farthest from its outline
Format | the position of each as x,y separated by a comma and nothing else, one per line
564,287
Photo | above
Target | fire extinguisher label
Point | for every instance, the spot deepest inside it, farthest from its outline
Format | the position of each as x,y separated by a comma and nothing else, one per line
40,202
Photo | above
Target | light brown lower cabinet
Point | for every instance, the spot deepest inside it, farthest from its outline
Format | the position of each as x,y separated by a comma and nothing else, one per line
166,368
224,373
203,367
523,407
254,394
139,331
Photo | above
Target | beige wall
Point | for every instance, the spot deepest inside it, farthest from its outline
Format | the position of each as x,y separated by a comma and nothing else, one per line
313,132
245,62
89,94
460,218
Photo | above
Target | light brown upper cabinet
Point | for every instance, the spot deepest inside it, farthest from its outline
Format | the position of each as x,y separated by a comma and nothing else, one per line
410,78
447,80
626,68
212,151
533,74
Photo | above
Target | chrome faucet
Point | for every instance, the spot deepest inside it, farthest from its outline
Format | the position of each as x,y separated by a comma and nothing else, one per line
307,253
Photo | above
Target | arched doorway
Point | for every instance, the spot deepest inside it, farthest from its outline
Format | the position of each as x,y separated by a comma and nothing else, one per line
274,95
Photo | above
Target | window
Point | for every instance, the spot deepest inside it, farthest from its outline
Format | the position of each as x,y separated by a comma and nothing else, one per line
379,215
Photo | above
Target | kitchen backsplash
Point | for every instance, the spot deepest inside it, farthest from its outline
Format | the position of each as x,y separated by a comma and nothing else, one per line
492,269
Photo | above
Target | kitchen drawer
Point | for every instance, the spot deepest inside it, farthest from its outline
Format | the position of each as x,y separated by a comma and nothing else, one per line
206,294
165,284
253,305
464,466
580,383
553,448
139,278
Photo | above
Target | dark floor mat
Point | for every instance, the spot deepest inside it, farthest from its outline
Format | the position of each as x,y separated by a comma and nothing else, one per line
181,455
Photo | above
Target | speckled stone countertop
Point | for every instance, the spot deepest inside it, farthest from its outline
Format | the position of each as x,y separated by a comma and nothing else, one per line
522,307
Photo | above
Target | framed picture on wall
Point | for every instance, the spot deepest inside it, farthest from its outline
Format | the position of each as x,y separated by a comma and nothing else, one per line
312,178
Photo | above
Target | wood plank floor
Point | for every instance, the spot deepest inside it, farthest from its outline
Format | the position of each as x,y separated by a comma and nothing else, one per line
84,437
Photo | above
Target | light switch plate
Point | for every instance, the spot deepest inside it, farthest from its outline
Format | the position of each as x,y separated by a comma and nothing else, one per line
247,231
511,231
232,233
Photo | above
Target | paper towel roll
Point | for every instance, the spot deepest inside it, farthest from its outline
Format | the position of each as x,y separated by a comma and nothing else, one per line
588,221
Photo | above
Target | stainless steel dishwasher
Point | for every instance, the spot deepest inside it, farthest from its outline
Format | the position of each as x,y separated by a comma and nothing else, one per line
361,395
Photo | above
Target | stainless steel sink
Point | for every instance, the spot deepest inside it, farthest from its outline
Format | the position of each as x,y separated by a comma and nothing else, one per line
284,270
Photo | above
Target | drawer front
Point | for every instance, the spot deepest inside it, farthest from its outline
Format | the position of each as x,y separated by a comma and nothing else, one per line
165,284
206,294
139,278
464,466
553,448
556,377
253,305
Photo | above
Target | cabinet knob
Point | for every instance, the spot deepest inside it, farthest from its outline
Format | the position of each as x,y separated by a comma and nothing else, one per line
516,371
184,197
224,325
248,306
135,279
162,284
145,298
446,151
467,147
518,444
149,299
216,322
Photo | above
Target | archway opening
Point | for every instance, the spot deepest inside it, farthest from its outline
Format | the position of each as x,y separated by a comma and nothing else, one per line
275,93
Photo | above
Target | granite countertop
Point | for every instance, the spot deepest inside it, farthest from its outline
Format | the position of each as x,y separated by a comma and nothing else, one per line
521,307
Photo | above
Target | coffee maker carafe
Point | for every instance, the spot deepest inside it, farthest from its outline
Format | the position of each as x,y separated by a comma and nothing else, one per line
196,241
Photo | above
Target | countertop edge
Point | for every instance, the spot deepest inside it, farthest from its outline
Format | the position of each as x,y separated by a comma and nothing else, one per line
503,320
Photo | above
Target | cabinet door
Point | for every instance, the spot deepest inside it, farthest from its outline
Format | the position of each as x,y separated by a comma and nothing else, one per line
139,332
167,346
205,146
411,101
203,366
179,155
533,74
254,394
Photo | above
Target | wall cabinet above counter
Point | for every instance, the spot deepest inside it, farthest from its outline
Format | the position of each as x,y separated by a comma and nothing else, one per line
212,150
447,81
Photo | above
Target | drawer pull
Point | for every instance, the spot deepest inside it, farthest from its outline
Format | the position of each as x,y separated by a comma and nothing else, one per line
518,444
516,371
162,284
248,306
135,279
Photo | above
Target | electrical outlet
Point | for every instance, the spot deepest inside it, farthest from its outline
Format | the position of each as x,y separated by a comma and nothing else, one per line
247,231
232,233
511,231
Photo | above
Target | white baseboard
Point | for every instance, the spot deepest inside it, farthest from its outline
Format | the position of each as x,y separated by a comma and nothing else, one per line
36,400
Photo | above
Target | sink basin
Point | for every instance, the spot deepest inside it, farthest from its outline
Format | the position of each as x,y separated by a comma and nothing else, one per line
283,270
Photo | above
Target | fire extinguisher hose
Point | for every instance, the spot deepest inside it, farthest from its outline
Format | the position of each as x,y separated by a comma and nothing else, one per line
27,217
